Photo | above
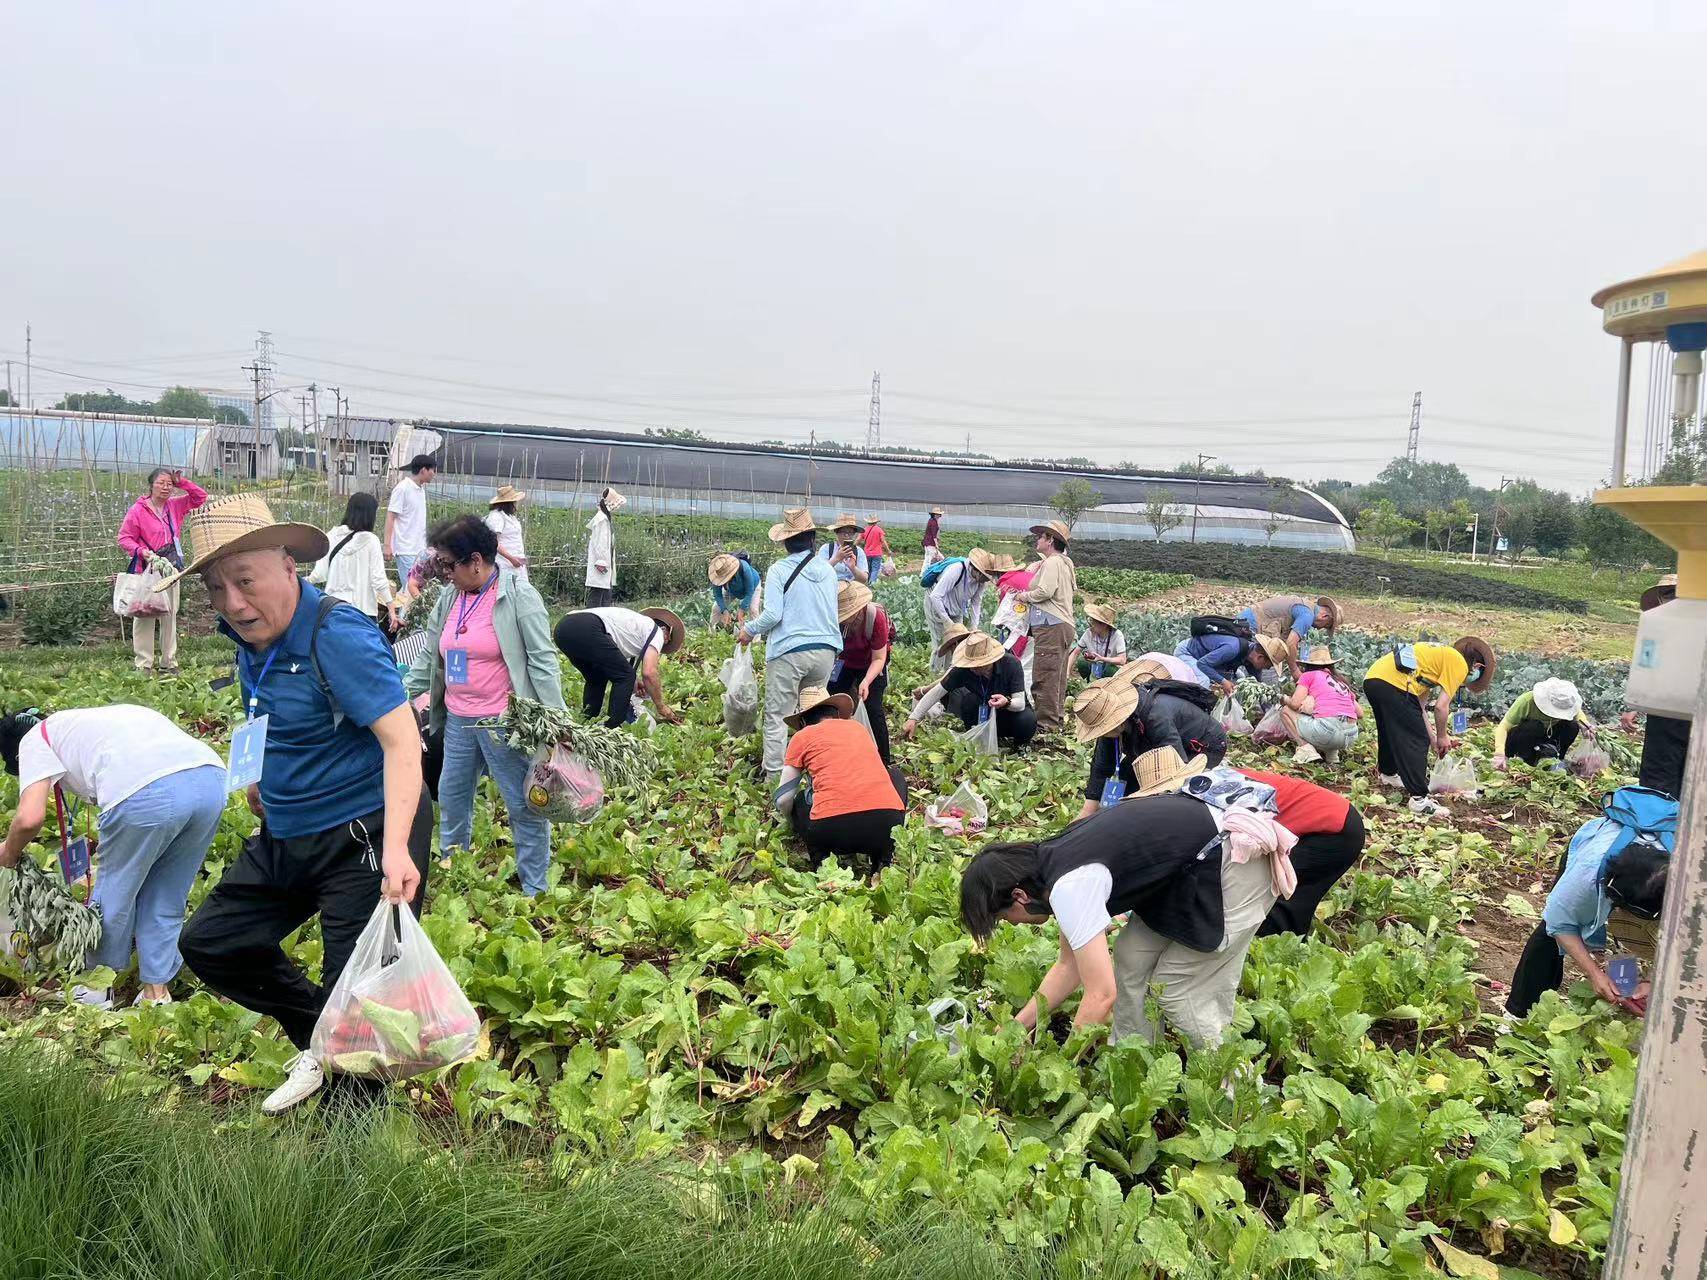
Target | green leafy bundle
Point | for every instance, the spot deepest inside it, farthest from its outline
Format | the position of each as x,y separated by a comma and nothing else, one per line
625,760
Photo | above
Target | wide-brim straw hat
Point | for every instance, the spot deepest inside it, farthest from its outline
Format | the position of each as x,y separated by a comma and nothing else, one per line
1164,769
851,599
1275,649
236,523
938,511
1100,613
722,568
982,561
1660,592
1056,529
810,698
952,635
1102,707
978,650
1475,649
1332,607
678,632
872,520
847,520
795,520
506,493
1558,698
1320,656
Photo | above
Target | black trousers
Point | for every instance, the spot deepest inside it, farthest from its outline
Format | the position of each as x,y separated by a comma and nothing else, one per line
1320,860
583,640
1665,746
1526,738
870,833
1020,726
848,683
1401,734
598,597
1541,968
274,887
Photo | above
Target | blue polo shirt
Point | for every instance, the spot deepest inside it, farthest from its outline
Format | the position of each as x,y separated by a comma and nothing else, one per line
318,774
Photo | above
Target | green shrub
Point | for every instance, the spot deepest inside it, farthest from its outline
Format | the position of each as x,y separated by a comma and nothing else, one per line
64,614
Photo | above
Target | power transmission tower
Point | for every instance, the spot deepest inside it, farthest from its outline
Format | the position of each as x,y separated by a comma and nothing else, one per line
264,358
874,428
1416,426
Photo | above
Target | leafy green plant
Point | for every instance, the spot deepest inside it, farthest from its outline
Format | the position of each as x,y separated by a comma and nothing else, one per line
64,614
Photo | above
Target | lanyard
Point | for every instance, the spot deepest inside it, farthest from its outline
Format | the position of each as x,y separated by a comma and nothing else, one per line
59,800
255,685
465,606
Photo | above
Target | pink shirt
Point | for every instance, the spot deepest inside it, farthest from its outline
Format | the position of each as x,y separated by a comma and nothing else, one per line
487,692
144,530
1333,696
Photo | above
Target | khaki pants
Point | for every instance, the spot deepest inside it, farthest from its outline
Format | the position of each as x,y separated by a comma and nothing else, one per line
143,631
937,626
785,677
1051,644
1195,989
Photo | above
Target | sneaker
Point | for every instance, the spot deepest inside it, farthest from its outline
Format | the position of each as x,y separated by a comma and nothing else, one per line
1392,780
1428,806
90,998
1306,754
306,1077
142,1000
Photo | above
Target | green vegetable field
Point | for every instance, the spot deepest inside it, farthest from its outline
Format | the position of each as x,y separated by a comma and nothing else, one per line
688,1000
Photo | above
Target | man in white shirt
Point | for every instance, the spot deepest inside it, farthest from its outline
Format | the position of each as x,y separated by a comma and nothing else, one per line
406,517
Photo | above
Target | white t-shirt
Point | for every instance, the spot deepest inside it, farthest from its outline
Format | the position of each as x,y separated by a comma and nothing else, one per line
409,504
1112,645
1080,903
630,629
509,531
105,755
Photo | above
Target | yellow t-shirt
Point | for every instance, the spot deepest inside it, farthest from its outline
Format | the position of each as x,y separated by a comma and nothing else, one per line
1439,665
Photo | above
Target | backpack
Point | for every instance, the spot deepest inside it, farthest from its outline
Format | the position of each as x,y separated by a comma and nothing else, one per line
934,570
1218,624
1643,815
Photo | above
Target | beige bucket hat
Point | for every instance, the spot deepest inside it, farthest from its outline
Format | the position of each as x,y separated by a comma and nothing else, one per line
794,520
1558,698
1101,708
236,523
1164,769
507,493
810,698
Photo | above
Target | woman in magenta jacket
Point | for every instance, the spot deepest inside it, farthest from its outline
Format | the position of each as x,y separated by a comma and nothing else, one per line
150,533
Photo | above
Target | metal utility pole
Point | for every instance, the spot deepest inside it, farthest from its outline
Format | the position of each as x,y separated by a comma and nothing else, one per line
874,428
1416,426
1196,485
29,361
1499,511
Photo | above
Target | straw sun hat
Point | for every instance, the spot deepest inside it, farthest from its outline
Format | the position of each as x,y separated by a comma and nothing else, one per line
1164,769
1274,649
1056,530
952,635
810,698
982,561
507,493
236,523
677,632
978,650
1320,656
1475,649
795,520
851,599
1100,613
1101,708
723,567
847,520
1332,608
1558,698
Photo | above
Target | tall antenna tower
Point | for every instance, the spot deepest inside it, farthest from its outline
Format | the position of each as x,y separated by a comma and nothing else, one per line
264,378
874,428
1416,426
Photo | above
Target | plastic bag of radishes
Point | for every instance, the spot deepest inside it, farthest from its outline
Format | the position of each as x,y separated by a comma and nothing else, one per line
395,1011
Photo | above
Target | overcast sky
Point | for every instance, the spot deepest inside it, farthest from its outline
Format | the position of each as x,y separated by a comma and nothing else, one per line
1063,228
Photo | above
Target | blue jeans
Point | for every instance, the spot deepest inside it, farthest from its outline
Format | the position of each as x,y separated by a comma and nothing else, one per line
875,567
404,565
470,752
152,845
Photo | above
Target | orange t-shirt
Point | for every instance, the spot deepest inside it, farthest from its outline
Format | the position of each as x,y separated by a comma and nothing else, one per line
847,773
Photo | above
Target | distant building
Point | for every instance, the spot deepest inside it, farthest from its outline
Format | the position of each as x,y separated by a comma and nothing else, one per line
242,401
238,452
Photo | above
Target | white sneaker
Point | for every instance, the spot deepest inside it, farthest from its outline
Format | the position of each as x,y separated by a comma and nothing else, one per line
306,1077
1306,754
1427,805
1392,780
142,1000
93,999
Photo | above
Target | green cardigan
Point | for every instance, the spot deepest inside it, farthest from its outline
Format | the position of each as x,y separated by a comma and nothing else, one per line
524,638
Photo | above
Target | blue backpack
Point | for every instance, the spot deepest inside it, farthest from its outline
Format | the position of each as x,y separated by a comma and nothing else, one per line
1643,816
934,570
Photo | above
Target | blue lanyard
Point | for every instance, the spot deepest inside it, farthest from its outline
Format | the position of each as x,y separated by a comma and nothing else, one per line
255,685
1116,756
465,606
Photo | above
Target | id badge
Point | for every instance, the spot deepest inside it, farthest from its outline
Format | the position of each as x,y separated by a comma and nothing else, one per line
836,670
1460,721
456,666
74,861
983,713
248,753
1626,975
1097,670
1113,792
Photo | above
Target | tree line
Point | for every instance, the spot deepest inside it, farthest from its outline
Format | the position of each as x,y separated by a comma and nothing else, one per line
174,402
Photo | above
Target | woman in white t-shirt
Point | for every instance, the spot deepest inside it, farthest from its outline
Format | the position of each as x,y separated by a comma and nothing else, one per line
354,569
158,793
503,521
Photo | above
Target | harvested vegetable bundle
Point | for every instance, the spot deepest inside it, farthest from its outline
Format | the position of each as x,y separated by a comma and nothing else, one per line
44,924
623,759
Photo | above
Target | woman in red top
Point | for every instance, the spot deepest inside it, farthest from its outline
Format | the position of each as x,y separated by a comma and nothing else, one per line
1330,840
854,802
862,671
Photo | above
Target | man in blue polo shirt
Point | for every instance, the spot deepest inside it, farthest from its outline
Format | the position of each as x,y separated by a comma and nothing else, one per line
345,818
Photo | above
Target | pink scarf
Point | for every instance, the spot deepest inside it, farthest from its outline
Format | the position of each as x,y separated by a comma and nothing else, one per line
1255,835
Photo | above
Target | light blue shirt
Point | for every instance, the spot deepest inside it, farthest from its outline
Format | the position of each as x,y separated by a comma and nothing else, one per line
1578,904
804,616
957,595
845,571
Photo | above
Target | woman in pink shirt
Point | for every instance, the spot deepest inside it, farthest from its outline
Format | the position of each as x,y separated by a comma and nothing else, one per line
1322,712
489,638
148,533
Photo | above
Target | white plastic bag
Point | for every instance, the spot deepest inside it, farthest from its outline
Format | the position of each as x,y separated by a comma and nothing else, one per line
1231,716
134,595
741,693
982,736
395,1011
1270,731
1452,775
562,787
961,812
1586,759
860,715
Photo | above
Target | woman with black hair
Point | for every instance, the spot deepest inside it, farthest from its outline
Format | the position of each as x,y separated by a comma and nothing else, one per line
855,801
501,519
601,549
354,569
488,640
149,536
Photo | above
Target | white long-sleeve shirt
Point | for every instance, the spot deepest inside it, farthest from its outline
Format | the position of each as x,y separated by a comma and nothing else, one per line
601,550
356,575
957,595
